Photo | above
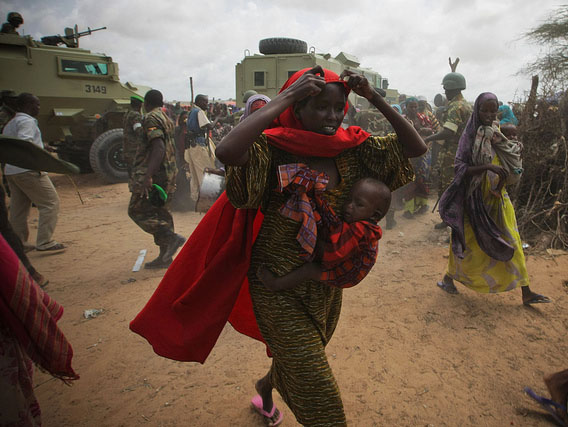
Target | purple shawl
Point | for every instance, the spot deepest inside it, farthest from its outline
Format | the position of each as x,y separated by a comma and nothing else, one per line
454,202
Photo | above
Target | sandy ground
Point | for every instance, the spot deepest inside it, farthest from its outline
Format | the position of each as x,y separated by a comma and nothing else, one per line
405,353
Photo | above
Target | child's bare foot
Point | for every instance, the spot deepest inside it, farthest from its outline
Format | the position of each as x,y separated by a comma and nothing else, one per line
557,385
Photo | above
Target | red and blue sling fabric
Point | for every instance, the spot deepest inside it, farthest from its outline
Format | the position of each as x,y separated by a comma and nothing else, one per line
349,250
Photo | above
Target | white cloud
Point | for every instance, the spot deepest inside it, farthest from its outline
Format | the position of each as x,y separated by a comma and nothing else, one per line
161,43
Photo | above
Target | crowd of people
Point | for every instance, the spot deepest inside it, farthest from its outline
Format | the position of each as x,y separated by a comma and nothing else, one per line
295,201
297,224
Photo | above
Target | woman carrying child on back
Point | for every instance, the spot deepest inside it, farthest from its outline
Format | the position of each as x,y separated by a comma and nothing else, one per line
303,125
486,253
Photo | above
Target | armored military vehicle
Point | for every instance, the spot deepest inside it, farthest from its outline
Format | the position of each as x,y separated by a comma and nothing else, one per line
279,58
82,98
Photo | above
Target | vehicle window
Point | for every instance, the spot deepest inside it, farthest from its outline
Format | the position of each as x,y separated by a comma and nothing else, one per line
259,78
83,67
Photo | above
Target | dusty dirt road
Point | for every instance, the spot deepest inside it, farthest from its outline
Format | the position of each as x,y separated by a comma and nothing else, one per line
405,353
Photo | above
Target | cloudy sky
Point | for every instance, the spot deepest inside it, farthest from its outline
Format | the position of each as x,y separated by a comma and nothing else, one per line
161,43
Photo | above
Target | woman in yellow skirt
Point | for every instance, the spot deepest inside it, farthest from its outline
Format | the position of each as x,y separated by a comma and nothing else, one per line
486,253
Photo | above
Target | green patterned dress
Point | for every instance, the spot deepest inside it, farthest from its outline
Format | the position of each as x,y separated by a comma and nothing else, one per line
298,323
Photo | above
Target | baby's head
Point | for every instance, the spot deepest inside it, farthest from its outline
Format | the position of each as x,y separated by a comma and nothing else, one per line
369,200
510,131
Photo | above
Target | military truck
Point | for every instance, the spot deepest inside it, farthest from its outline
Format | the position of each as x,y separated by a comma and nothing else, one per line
281,57
82,98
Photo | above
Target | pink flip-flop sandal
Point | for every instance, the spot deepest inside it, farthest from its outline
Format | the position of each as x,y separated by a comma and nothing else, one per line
256,402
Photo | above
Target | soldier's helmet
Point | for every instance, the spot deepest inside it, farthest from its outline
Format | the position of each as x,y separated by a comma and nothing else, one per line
15,18
248,94
453,81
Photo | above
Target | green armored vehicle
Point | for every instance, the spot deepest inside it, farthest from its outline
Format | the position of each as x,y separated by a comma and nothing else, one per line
279,58
82,98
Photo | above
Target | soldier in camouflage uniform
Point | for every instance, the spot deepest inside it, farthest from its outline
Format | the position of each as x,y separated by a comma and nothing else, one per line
454,121
13,21
155,163
133,133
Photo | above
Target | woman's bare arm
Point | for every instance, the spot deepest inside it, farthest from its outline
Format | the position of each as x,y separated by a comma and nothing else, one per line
233,149
411,141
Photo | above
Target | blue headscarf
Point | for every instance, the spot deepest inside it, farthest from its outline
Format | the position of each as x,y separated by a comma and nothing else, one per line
507,115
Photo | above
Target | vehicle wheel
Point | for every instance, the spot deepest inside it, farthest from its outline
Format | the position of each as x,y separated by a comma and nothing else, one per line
278,45
106,158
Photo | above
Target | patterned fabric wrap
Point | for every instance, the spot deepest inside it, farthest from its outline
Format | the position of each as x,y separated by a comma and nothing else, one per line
31,316
350,252
455,202
487,139
305,187
476,269
19,404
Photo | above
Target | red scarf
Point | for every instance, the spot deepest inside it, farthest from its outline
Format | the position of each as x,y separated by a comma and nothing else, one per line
31,316
206,285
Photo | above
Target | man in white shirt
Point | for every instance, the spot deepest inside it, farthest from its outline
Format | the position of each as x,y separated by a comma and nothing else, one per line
201,154
28,186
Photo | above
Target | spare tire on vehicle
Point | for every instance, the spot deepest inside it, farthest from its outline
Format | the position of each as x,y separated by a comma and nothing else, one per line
106,158
279,45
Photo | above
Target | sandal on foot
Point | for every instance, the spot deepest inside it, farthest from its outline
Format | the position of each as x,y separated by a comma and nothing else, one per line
448,287
56,247
550,406
256,402
537,299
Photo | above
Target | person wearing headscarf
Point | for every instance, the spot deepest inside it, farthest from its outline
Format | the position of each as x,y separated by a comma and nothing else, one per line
506,115
415,194
486,252
301,124
254,103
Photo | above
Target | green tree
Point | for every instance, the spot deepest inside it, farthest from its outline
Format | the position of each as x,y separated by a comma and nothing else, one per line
552,64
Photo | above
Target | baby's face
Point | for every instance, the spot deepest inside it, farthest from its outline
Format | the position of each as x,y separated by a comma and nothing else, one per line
363,203
510,132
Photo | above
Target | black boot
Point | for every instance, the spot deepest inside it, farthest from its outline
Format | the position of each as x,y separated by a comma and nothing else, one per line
176,241
159,261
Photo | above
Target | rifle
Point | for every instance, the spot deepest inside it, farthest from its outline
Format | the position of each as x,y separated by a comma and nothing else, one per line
71,37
